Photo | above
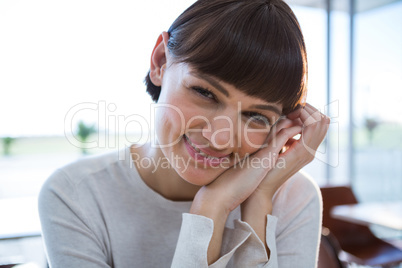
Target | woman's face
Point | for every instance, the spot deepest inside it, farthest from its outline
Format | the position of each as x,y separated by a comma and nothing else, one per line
204,126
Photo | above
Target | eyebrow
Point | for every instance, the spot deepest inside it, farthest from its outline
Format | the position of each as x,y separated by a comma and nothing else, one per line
267,107
212,81
219,87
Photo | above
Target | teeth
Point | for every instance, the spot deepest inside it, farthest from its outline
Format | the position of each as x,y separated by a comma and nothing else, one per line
199,151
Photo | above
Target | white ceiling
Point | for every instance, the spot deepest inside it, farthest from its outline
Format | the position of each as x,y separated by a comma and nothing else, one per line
361,5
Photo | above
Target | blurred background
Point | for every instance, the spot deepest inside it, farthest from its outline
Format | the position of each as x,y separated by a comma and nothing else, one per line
71,84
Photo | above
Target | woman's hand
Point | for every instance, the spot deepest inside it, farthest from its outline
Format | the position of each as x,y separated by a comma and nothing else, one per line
273,168
237,183
297,154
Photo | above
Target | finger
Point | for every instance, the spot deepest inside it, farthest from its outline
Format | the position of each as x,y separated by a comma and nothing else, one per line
315,113
286,122
275,145
308,116
312,136
312,116
296,113
279,140
314,129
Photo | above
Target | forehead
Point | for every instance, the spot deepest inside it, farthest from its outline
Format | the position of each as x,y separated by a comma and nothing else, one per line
253,45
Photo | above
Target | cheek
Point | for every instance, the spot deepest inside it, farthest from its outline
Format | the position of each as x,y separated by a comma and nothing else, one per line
169,123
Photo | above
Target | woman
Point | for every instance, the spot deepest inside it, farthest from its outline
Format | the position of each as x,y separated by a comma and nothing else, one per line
218,187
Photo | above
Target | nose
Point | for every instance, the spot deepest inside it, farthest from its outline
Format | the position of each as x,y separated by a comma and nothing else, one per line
221,132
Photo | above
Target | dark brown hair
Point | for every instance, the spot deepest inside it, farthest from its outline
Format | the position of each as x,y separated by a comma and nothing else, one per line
255,45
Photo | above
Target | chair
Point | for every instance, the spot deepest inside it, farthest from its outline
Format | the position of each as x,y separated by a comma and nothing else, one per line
10,261
26,265
329,251
359,245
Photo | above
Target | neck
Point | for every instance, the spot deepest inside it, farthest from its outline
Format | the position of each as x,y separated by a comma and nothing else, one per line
161,176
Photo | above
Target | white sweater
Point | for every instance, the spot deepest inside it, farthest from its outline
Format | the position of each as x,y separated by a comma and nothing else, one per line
98,212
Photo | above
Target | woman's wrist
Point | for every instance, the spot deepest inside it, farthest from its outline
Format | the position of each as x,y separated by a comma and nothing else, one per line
258,203
254,211
207,204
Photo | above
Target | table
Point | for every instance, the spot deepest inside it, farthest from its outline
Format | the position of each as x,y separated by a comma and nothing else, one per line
19,218
386,214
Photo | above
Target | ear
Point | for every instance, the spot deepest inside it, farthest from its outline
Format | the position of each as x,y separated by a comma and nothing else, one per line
159,59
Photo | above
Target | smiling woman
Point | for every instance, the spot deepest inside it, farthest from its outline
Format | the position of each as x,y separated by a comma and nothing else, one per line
215,188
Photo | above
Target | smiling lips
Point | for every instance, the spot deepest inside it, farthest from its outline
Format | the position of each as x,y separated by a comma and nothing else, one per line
202,156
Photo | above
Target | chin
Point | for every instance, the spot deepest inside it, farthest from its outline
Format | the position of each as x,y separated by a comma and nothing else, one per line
199,176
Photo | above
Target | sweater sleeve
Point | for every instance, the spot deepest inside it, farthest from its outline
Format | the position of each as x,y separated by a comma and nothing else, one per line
67,233
241,246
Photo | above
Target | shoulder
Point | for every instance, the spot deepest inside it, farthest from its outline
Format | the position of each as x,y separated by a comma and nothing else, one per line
87,172
299,186
84,185
86,167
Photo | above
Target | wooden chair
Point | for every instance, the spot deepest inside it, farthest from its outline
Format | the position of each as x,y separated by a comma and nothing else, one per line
359,245
329,251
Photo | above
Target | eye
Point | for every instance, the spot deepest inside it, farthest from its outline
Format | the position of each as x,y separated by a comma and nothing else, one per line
258,118
204,93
